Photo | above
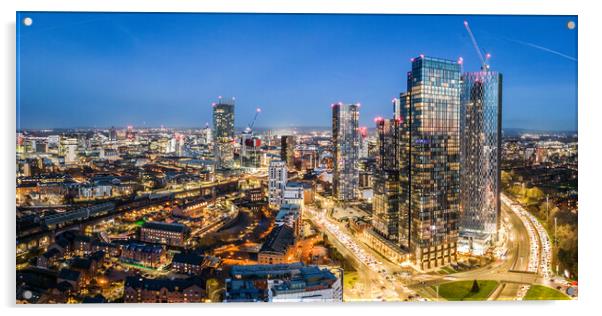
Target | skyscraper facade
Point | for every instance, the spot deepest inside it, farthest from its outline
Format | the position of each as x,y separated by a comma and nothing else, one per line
385,202
287,150
363,142
206,135
345,139
480,130
430,162
250,153
112,134
223,126
277,178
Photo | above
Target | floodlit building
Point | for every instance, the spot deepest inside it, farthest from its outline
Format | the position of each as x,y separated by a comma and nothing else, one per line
480,155
346,145
430,162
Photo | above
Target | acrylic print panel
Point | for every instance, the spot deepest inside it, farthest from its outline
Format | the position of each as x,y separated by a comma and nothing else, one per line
167,157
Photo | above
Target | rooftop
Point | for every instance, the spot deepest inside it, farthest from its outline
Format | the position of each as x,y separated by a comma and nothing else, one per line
172,227
264,269
68,274
279,240
142,247
189,258
137,282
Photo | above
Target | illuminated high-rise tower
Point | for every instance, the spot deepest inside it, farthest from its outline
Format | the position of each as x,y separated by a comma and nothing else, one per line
385,203
223,126
345,140
287,150
430,162
481,132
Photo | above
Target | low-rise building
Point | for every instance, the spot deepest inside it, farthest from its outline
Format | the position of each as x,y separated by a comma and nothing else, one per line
192,263
255,195
71,277
383,246
147,255
278,242
293,282
290,215
82,245
49,258
142,290
171,234
293,194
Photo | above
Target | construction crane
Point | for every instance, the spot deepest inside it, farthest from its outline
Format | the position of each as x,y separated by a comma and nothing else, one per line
484,60
249,143
249,128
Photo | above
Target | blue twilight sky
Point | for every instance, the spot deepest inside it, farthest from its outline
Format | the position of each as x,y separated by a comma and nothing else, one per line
105,69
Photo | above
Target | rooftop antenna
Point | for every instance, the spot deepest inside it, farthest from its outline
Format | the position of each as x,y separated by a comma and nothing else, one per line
484,60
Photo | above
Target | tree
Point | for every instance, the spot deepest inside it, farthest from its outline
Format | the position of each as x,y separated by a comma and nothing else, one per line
475,287
506,178
535,193
517,191
566,236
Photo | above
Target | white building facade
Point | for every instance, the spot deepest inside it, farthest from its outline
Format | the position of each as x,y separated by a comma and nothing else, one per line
277,176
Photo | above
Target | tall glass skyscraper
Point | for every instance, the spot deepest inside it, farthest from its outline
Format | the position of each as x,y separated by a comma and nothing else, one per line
223,125
481,132
430,162
345,139
385,215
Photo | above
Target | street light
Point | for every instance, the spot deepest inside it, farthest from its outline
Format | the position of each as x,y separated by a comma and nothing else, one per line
555,227
547,210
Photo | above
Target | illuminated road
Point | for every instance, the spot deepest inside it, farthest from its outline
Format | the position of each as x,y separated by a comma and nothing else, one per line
526,262
511,270
371,271
544,246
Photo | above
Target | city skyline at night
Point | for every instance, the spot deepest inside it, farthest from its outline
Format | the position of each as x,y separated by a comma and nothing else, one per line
329,164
